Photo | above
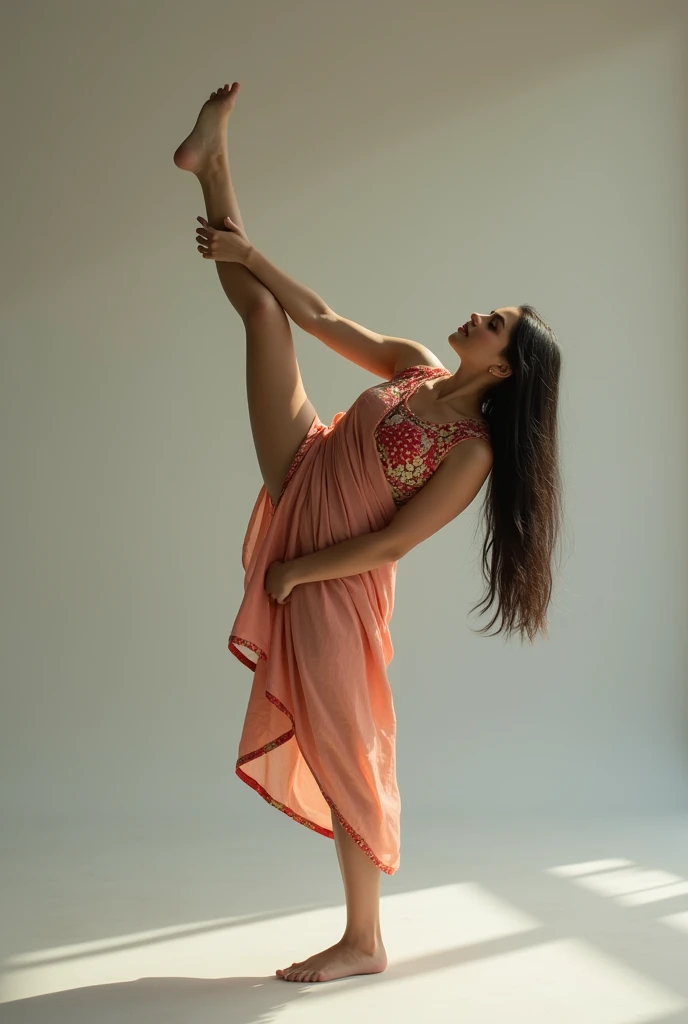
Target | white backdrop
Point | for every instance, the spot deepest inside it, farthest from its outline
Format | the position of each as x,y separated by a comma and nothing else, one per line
413,163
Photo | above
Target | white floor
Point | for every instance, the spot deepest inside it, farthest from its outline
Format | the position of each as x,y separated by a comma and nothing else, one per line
547,923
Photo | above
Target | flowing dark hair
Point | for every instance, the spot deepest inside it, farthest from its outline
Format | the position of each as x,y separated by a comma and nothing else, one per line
522,509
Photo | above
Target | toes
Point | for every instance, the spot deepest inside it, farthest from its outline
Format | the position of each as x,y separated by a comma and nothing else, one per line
286,970
287,973
300,971
305,976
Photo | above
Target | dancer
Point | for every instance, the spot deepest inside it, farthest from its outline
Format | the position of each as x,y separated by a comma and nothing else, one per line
340,504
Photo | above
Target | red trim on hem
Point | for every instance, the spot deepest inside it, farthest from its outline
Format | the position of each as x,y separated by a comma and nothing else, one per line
327,832
262,751
232,647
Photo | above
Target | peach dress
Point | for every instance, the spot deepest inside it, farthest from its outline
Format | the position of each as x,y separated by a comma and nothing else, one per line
320,728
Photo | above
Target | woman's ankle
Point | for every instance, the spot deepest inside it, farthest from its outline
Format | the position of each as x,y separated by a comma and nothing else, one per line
214,169
367,940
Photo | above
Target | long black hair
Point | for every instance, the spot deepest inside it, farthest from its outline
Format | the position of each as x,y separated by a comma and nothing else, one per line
522,509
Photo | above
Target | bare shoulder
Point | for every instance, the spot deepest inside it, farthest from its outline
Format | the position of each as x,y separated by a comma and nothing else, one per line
473,454
412,353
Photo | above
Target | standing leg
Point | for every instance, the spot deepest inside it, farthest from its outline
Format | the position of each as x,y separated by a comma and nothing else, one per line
279,410
360,950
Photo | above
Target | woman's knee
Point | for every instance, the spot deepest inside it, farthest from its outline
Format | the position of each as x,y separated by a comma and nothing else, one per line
262,308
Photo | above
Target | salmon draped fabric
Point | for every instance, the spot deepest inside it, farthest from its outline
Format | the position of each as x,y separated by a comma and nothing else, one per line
319,736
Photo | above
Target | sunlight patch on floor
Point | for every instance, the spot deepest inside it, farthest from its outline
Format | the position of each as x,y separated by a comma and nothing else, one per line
431,921
663,892
630,880
588,867
622,880
679,922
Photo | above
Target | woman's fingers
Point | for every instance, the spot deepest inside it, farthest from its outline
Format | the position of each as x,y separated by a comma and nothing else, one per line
204,238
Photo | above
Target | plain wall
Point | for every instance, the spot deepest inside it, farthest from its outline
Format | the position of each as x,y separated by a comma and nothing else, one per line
412,163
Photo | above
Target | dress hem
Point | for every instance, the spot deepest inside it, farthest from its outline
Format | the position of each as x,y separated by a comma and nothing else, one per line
291,733
232,646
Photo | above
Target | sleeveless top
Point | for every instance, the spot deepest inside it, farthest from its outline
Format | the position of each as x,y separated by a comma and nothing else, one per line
410,448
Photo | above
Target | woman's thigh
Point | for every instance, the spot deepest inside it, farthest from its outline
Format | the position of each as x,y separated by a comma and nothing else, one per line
279,409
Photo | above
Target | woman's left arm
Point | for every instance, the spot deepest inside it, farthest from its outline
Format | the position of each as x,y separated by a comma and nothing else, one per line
449,491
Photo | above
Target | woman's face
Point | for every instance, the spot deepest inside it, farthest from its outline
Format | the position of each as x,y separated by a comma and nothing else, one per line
480,342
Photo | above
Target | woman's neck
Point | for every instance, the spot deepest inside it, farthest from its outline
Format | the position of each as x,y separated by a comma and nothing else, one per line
463,393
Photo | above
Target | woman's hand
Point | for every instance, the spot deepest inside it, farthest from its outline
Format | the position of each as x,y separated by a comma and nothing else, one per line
280,581
230,246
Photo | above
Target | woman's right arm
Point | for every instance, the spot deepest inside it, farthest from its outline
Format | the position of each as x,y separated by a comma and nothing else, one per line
381,354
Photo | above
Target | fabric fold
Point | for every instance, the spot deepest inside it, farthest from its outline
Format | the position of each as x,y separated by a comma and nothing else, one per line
319,736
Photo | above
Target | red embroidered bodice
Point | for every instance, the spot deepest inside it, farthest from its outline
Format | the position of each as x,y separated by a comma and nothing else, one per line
410,448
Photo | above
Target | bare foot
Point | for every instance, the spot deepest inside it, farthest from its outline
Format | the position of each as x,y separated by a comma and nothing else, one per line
209,137
339,961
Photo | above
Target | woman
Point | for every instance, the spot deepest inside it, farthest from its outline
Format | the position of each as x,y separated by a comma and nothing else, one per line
339,506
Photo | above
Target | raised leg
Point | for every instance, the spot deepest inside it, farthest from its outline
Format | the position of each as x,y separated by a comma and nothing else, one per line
280,415
279,410
360,950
